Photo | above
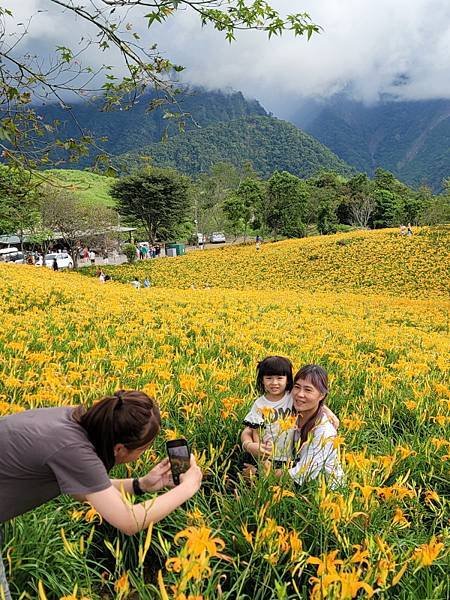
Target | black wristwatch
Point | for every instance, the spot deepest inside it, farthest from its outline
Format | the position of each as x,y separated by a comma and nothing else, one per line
137,490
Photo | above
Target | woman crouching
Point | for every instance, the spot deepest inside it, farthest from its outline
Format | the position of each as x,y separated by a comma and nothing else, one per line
46,452
315,450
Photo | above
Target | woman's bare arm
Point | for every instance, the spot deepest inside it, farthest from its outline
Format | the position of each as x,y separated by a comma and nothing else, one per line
129,518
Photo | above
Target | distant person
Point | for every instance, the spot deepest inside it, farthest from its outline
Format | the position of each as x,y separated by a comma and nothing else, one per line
55,264
105,257
402,230
409,231
92,257
85,254
136,283
147,283
258,242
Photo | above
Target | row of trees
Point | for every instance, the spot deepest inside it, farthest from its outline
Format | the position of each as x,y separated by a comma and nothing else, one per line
167,205
286,205
40,209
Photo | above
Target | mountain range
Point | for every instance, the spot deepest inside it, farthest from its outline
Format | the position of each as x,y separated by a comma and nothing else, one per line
210,127
137,125
268,143
410,139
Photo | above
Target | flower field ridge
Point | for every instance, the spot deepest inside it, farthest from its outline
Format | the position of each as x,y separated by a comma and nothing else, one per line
66,338
380,261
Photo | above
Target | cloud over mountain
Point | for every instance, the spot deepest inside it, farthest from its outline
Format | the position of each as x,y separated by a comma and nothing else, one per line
367,49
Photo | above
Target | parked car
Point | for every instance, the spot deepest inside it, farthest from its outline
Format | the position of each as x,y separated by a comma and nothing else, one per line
217,237
11,254
63,260
18,258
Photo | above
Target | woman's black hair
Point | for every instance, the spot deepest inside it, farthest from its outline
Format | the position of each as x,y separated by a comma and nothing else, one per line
130,418
274,365
318,377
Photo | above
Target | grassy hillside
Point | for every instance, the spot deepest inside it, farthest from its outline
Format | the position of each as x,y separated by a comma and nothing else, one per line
378,261
268,143
90,187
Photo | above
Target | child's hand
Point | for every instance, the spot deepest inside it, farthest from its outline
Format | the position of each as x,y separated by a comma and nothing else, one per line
258,449
266,448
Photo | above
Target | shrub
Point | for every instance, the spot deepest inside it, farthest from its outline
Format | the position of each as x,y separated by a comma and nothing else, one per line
130,252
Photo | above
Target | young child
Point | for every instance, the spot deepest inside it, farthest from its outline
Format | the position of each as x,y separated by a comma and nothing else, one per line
269,425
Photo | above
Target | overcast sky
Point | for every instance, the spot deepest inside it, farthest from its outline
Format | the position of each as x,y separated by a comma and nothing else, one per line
367,48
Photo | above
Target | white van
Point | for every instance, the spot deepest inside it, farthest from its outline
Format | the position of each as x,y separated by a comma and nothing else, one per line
11,254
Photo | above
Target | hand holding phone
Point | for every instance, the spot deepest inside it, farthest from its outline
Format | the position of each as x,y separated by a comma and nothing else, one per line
180,458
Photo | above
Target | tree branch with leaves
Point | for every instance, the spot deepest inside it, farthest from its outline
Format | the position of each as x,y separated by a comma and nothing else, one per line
25,79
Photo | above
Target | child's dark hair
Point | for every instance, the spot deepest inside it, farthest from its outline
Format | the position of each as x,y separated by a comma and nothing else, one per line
129,417
274,365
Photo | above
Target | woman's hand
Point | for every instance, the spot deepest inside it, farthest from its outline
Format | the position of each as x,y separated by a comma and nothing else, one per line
192,478
159,477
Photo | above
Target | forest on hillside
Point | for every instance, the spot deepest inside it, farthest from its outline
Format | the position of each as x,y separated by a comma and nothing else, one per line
267,143
410,139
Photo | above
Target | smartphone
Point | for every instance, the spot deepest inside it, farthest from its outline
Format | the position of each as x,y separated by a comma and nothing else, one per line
180,458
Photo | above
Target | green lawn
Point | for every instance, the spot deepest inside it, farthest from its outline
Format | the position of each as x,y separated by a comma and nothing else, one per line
90,187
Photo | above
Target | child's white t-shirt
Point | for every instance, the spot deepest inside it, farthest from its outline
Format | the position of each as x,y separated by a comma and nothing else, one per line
272,418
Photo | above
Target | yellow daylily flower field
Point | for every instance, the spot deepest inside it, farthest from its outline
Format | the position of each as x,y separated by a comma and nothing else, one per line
372,307
380,261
